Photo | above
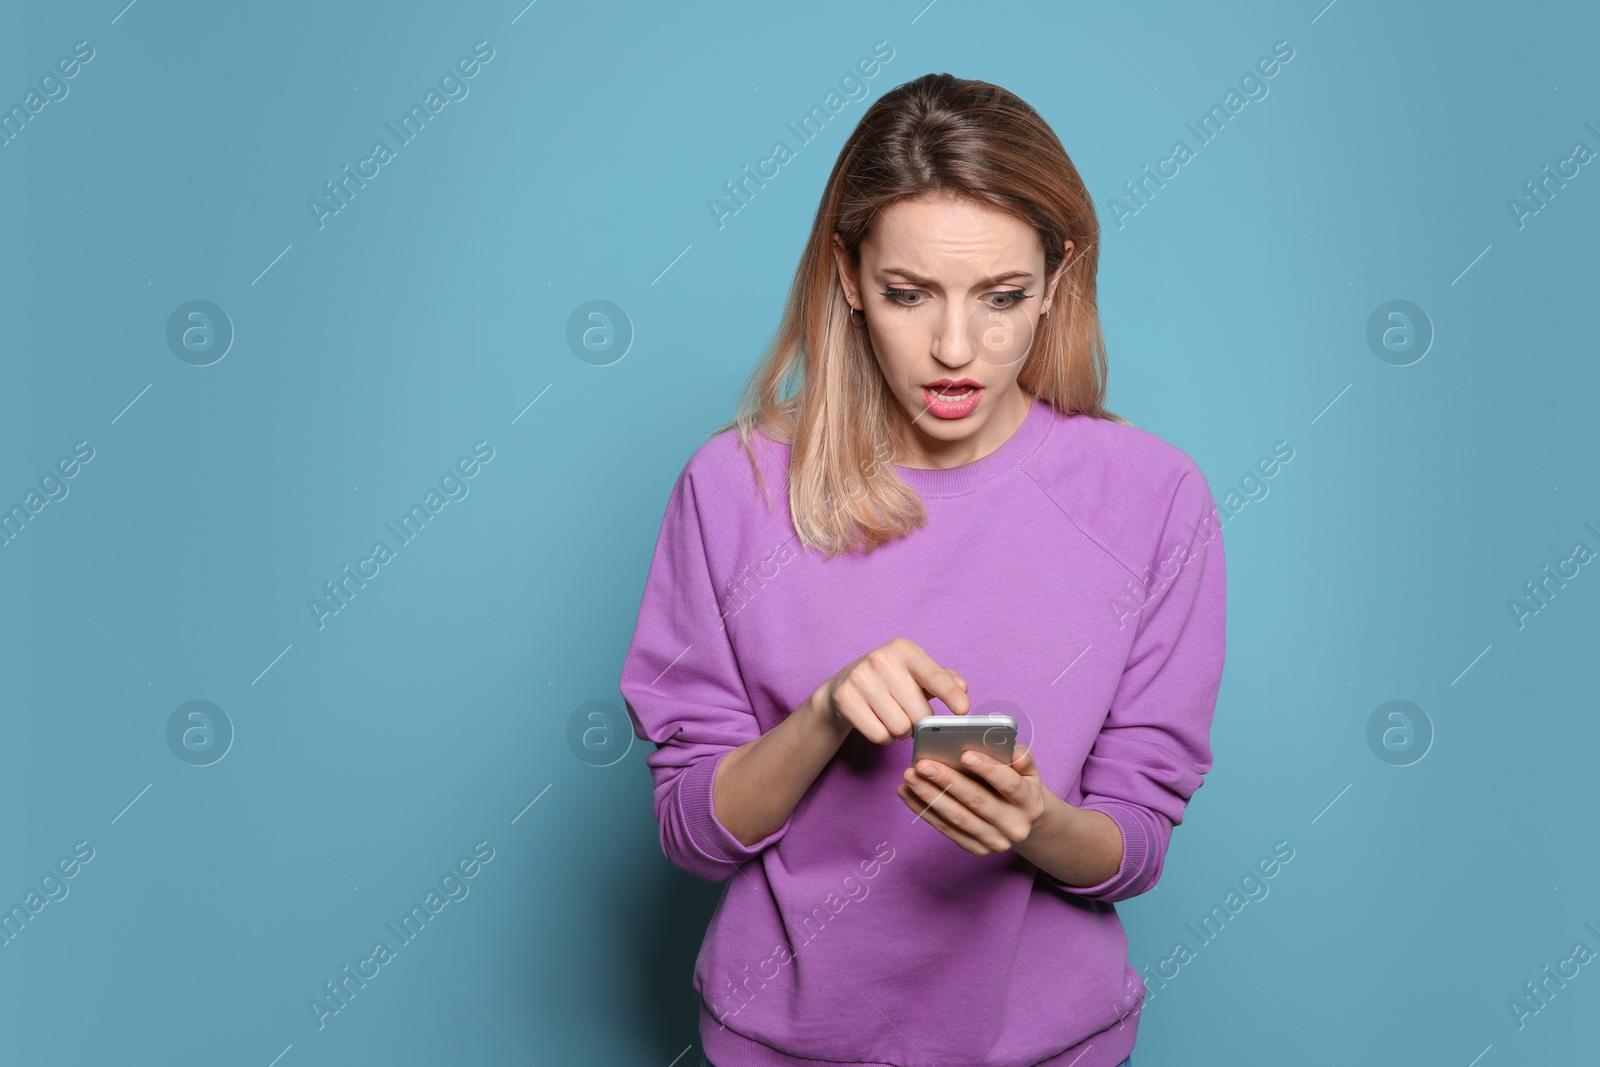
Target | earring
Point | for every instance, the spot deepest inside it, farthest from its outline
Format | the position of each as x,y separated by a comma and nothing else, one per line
854,311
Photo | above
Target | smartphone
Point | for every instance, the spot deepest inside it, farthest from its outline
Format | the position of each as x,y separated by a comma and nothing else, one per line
943,738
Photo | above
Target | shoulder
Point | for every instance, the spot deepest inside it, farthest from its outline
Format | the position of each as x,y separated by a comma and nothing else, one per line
734,516
720,469
1136,455
1098,458
1121,485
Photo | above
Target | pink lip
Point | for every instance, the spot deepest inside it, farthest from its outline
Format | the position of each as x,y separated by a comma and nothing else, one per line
951,409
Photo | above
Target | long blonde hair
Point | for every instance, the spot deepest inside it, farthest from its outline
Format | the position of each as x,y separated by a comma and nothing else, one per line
939,135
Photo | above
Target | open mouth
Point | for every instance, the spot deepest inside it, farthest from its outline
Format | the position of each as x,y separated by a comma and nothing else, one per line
951,401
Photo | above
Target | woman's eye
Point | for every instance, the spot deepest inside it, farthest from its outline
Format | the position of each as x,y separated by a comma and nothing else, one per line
895,296
1009,299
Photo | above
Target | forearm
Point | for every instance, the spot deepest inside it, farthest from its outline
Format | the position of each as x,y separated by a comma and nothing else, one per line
758,784
1079,846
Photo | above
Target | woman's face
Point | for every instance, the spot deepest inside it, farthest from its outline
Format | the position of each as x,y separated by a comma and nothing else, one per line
953,293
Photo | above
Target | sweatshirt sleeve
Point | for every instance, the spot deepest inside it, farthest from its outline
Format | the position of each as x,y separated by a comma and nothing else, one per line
1154,746
684,691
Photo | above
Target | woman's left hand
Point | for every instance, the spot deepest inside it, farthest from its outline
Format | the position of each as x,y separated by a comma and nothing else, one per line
979,819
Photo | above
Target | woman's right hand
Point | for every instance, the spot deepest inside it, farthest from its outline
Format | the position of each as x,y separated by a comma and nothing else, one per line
886,691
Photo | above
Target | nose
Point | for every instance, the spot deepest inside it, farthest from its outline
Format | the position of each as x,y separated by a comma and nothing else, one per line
951,345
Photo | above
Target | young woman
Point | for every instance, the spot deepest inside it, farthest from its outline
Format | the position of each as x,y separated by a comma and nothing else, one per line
965,523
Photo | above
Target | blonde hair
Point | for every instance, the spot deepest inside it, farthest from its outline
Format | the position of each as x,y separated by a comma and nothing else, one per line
936,135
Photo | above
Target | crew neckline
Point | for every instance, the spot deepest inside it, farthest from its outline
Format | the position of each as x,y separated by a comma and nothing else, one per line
948,481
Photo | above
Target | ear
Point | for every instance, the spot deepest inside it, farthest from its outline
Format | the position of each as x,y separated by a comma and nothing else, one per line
847,273
1056,277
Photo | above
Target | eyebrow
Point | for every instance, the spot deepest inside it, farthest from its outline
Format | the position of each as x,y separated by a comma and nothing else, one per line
931,284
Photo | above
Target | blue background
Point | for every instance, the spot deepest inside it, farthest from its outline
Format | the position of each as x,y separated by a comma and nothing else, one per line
432,310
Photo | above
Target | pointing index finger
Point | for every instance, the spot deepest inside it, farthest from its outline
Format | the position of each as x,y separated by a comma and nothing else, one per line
941,682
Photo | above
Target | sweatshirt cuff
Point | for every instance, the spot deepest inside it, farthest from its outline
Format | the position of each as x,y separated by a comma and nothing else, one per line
709,837
1134,873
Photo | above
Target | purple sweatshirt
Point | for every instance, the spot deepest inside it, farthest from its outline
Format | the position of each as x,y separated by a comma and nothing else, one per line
1074,577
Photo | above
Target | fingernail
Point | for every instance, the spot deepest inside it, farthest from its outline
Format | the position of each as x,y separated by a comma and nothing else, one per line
970,760
927,769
